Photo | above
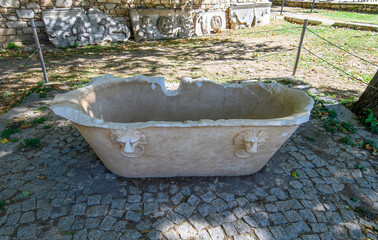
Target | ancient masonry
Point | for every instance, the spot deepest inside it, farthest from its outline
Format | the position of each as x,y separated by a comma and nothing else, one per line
112,19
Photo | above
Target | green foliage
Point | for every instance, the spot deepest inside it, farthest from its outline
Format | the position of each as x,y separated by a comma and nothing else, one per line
47,126
354,199
74,45
360,167
39,120
349,141
369,119
333,125
6,133
310,139
295,174
12,45
69,232
348,102
2,204
31,142
41,109
25,193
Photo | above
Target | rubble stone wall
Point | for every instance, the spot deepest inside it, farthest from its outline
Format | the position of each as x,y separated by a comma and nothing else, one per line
340,6
15,15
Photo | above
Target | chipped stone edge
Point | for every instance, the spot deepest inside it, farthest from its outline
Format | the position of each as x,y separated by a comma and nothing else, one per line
67,105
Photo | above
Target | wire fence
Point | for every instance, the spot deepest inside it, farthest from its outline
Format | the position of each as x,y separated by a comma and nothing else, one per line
344,50
23,64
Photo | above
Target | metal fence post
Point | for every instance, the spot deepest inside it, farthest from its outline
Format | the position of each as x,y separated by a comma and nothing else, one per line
312,6
39,51
300,46
283,3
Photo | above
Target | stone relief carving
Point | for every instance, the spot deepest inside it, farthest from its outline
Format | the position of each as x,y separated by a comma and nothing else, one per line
249,15
165,26
66,27
149,24
130,142
247,142
209,22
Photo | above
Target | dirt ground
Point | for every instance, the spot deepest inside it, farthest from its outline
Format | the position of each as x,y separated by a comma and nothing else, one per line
232,55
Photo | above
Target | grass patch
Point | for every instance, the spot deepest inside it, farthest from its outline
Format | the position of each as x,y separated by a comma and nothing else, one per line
31,143
12,45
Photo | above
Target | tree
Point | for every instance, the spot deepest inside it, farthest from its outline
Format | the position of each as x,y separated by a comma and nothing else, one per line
368,99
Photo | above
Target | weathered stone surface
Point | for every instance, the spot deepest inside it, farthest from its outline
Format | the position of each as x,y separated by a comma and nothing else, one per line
249,15
63,3
10,3
16,24
149,24
258,139
66,27
25,13
209,22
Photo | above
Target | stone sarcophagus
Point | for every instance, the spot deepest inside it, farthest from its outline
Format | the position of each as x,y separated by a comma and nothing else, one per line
249,15
66,27
200,129
210,22
161,24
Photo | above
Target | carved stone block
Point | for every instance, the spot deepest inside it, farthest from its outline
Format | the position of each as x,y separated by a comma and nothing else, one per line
249,15
66,27
210,22
151,24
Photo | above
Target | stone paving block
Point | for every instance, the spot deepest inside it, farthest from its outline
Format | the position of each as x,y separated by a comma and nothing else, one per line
230,229
261,219
92,222
78,209
177,198
277,218
78,223
82,234
184,209
150,208
241,226
216,233
29,205
171,235
27,232
310,237
193,200
130,235
302,227
13,219
279,233
133,216
44,213
163,225
154,235
198,222
263,233
354,230
208,197
279,193
203,235
143,225
319,227
219,205
118,203
162,198
133,206
96,210
186,231
215,219
27,217
307,215
107,223
334,217
174,217
205,209
243,237
239,212
94,199
110,235
242,201
134,198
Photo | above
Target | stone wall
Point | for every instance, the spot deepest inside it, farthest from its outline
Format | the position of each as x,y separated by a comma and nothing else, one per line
15,15
342,6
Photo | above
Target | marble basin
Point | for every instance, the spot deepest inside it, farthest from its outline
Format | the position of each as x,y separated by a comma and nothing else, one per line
139,128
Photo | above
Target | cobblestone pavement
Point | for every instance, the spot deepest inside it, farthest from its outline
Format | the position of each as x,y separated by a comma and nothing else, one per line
63,191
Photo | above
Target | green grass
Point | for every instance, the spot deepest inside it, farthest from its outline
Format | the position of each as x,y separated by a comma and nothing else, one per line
349,16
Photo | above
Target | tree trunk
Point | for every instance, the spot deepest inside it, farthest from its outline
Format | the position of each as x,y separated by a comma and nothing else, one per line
369,98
